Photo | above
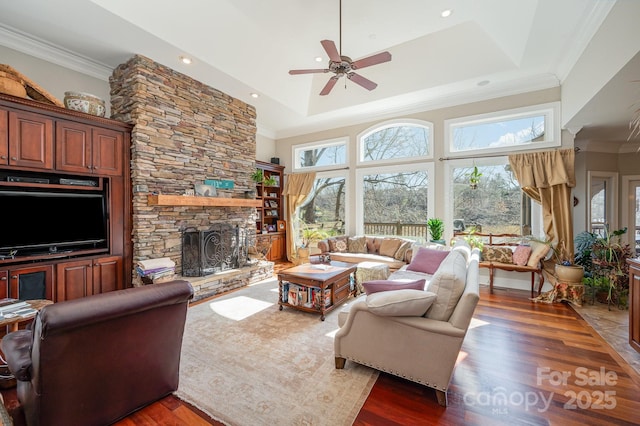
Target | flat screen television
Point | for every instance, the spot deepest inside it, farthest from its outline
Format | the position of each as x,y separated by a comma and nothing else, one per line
42,221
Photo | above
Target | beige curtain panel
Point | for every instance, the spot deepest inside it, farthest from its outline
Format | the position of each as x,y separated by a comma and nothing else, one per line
296,189
548,177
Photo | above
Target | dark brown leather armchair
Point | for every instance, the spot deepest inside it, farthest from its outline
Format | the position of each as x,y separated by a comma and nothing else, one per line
95,360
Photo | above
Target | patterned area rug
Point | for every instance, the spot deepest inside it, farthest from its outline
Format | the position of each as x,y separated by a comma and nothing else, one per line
244,362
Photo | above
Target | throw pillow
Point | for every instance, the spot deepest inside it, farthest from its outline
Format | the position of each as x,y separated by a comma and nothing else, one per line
521,255
415,247
376,286
389,246
538,252
373,245
402,250
427,260
497,254
448,284
357,244
400,303
338,244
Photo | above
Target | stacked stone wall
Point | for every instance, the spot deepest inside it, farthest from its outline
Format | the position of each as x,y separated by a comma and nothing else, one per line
183,133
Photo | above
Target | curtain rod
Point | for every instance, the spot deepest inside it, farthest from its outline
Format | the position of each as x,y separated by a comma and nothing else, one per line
319,171
466,157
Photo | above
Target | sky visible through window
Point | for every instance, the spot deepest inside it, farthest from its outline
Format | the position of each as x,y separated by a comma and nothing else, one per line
498,134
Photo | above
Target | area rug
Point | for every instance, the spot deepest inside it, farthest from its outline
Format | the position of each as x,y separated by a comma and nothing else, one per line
245,362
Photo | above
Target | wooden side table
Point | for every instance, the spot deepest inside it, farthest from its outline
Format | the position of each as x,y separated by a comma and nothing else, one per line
6,378
13,323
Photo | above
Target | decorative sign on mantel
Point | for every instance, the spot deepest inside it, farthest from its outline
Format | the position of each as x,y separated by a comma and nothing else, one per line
220,183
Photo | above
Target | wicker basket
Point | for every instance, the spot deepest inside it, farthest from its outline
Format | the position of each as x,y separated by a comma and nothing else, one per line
12,85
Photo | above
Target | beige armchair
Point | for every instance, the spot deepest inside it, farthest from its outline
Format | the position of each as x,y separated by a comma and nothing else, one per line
423,349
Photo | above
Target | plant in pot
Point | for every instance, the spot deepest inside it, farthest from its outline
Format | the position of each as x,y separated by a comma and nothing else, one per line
436,229
308,236
474,178
609,266
258,176
270,181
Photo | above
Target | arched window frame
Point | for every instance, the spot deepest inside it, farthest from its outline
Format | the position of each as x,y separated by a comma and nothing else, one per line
394,123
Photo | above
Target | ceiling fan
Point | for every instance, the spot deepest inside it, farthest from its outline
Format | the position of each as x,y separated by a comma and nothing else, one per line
342,65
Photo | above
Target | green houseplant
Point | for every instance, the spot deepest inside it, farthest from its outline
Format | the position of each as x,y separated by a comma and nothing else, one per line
474,178
436,229
257,176
609,266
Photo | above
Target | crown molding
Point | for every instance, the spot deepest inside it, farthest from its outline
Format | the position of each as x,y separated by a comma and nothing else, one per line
30,45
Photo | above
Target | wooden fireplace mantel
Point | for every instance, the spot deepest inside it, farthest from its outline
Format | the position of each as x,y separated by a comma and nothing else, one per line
182,200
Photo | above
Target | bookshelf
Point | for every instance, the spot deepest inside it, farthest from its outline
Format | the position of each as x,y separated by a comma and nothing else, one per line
270,218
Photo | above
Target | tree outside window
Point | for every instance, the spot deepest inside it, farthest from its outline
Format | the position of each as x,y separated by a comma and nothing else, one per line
496,206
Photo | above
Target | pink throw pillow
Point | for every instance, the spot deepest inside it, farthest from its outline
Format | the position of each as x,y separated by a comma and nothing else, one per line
377,286
521,255
427,260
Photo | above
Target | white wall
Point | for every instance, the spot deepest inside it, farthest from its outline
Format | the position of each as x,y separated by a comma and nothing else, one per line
265,148
53,78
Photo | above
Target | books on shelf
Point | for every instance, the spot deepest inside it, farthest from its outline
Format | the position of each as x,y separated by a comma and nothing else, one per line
309,297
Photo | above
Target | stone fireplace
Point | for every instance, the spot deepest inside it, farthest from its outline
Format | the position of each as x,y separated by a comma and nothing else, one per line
184,132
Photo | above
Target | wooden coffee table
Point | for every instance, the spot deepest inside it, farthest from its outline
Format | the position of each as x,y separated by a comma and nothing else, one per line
316,288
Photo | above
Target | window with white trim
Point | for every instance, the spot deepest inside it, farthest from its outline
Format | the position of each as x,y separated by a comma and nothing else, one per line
394,200
396,141
518,129
320,155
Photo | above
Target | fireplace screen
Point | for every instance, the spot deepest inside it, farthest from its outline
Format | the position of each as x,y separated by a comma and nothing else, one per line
217,249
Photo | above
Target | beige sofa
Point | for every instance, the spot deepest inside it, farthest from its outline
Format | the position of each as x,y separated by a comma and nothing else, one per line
421,348
393,251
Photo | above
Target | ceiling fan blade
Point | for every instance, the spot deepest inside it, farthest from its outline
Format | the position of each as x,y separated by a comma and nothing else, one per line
364,82
327,87
294,72
371,60
332,51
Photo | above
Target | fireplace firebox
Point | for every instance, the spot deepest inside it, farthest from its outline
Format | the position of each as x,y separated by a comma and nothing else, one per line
217,249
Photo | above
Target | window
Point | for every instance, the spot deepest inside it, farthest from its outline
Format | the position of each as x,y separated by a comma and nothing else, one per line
319,155
497,205
395,141
324,209
524,128
394,200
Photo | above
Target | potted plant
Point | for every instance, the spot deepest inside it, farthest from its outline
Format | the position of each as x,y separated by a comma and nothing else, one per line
609,265
308,236
436,228
270,181
474,178
257,176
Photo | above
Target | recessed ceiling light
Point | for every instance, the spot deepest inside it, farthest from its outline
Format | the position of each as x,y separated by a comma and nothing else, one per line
185,60
255,95
318,58
446,13
483,82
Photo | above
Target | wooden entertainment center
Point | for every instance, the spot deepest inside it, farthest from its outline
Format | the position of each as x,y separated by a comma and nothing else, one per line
48,149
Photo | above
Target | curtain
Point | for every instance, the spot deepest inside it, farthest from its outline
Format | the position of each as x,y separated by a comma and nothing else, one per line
297,187
548,177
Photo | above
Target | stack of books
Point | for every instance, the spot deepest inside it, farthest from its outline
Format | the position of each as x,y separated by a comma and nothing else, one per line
156,270
11,308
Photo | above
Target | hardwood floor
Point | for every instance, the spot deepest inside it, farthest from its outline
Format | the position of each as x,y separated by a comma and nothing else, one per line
522,363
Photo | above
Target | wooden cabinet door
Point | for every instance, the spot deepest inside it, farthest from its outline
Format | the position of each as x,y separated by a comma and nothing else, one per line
30,140
4,138
107,152
73,147
107,274
277,247
31,282
4,284
74,280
